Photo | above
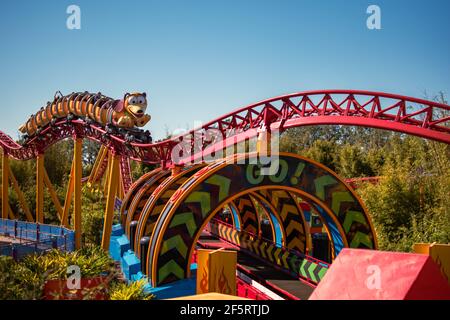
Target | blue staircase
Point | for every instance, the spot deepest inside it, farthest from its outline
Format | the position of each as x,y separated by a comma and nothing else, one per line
119,250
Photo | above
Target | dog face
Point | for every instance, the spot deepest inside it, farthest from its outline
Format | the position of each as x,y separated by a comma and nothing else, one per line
136,104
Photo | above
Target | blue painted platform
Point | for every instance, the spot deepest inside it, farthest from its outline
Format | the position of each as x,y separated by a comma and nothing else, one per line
119,250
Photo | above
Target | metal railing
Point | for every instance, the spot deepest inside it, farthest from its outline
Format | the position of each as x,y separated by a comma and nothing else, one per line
283,249
20,238
294,263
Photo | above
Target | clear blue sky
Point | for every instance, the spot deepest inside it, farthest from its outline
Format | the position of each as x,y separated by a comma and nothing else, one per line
200,59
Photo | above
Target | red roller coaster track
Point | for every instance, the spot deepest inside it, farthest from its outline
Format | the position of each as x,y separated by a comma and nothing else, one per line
418,117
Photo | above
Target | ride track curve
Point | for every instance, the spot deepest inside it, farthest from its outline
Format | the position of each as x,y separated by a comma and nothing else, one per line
413,116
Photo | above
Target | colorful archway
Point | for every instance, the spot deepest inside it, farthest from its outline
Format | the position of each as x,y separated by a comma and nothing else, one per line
141,197
279,234
155,203
132,191
199,198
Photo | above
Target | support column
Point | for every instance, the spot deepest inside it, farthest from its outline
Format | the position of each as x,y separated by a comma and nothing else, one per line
77,173
53,195
120,186
108,169
68,200
263,143
21,197
113,180
5,184
40,188
98,163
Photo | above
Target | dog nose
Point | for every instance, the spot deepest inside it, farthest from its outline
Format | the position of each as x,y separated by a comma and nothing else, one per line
140,111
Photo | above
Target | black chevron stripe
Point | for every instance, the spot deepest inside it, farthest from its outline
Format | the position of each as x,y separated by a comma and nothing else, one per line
295,234
269,250
305,269
317,270
248,214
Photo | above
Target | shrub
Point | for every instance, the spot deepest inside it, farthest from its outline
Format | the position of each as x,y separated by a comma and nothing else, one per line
132,291
92,261
17,282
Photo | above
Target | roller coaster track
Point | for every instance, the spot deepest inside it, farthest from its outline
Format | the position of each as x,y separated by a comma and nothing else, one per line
125,173
188,208
338,107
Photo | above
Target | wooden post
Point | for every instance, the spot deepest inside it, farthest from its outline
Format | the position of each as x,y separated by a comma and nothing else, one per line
113,181
98,163
10,212
20,195
77,173
68,200
5,184
40,188
120,186
53,195
108,169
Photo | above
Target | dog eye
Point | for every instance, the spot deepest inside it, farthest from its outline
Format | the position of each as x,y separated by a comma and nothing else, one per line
132,100
141,100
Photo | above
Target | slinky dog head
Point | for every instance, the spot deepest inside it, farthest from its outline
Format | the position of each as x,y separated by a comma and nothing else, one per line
135,103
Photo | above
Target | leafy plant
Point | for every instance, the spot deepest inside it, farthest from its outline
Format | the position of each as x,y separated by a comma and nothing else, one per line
93,208
92,261
132,291
17,282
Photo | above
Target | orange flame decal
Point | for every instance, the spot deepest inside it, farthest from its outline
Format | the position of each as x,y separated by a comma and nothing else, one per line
204,281
224,287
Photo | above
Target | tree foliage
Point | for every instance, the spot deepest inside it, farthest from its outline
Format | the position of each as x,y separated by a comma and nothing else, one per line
410,202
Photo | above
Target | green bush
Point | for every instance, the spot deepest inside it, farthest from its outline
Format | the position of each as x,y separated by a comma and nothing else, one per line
17,282
132,291
25,280
93,209
406,209
92,261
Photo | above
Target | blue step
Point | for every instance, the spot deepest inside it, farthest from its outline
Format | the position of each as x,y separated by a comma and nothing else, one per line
131,264
118,245
138,276
180,288
117,230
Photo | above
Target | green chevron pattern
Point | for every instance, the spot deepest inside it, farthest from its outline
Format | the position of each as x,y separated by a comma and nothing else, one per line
205,191
175,242
321,183
352,217
361,238
223,184
187,219
156,203
203,198
170,268
339,198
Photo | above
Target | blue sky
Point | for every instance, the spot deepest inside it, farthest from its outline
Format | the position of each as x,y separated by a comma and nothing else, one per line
200,59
